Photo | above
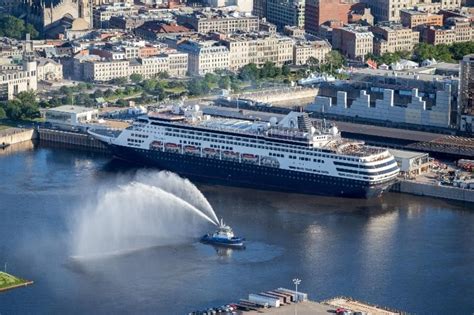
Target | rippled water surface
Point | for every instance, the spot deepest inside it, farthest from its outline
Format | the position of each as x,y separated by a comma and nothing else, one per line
410,253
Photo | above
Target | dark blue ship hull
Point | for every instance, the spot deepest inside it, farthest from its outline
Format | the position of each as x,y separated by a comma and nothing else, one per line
224,172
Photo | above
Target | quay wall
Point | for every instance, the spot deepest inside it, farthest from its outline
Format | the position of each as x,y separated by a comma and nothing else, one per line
424,189
16,135
71,138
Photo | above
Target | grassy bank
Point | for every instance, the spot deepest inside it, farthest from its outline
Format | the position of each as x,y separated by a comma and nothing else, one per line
8,281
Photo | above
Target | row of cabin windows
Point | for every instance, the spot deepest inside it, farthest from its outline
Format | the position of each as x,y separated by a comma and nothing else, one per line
177,133
139,135
135,140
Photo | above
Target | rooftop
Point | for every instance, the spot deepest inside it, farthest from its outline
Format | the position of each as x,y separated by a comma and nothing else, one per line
72,109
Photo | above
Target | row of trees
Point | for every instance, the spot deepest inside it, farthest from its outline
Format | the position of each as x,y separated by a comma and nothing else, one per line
443,52
13,27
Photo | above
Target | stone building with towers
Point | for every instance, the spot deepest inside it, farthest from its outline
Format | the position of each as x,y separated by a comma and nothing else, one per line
16,78
50,15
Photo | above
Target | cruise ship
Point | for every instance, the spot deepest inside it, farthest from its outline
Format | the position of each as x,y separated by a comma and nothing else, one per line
291,154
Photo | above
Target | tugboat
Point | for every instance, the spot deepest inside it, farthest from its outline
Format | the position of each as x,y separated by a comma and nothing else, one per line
223,236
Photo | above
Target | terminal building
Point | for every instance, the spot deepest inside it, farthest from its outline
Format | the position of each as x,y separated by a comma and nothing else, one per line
403,99
70,116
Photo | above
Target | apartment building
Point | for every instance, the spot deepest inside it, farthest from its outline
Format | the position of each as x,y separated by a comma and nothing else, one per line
205,57
102,15
455,30
353,41
304,50
176,64
389,38
285,12
318,12
219,21
414,18
258,49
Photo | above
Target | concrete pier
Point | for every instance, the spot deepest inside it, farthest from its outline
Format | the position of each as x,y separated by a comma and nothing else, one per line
15,135
71,138
414,187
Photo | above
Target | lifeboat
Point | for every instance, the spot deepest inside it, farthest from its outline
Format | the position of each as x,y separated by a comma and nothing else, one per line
172,147
190,149
230,155
249,158
156,145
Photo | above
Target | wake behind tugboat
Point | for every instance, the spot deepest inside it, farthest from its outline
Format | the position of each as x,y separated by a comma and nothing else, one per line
223,236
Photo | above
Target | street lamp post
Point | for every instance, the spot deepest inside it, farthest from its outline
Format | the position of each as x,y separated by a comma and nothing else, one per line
296,281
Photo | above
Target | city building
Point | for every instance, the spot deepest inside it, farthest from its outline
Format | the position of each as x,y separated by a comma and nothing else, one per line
360,13
318,12
390,38
49,70
285,12
103,14
414,18
174,63
240,5
258,49
389,10
126,22
259,8
466,94
205,56
153,30
455,30
219,21
304,50
16,78
353,41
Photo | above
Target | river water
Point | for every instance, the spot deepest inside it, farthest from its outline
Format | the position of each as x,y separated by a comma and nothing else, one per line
410,253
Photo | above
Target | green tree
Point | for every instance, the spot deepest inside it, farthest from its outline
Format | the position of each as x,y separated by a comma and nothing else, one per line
119,81
13,109
3,114
150,85
163,75
224,82
195,87
136,77
285,70
11,26
98,93
334,59
249,72
109,93
30,29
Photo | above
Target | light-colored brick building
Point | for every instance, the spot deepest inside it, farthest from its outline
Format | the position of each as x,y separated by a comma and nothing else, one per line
389,10
18,78
258,49
175,64
48,69
414,18
391,38
102,14
205,57
303,51
218,21
456,30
